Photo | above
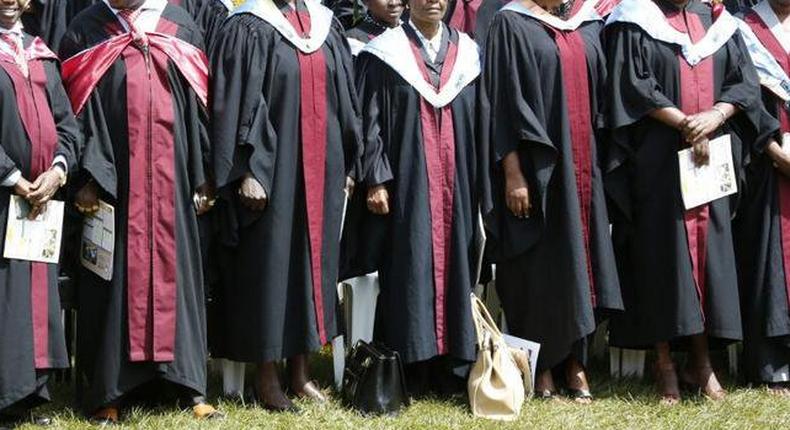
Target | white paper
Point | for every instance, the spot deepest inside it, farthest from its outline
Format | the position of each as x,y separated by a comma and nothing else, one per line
706,183
531,348
33,240
339,360
98,241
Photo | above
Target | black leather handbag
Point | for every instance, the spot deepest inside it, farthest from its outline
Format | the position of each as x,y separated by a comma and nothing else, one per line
373,380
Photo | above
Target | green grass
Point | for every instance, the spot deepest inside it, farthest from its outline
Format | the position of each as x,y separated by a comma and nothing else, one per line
620,404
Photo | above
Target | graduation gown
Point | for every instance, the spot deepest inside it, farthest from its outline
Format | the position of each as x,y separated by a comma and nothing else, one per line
462,15
148,322
544,87
425,249
366,30
36,125
279,290
208,15
677,267
761,228
48,20
736,6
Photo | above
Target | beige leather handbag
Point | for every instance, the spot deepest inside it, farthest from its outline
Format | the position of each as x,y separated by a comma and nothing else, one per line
496,387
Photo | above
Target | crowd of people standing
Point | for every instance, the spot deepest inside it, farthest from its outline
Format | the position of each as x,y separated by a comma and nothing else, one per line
266,150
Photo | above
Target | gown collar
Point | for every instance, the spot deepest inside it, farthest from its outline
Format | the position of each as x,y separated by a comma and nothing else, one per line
393,47
587,13
320,18
643,13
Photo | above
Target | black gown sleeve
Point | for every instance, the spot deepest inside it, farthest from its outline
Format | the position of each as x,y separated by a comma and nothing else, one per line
348,101
634,90
244,139
509,123
370,83
69,137
633,93
97,156
741,88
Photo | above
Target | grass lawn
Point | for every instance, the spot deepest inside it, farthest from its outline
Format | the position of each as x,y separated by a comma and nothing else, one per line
619,405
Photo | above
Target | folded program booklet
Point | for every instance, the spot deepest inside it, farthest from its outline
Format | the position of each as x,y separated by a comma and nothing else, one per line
37,239
708,182
98,241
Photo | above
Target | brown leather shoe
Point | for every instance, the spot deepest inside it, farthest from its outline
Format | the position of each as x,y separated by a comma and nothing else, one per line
105,416
204,411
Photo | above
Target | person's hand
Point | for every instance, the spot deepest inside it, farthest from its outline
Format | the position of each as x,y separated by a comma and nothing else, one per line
45,186
22,188
702,125
204,198
517,196
252,194
701,151
350,184
87,199
379,200
782,162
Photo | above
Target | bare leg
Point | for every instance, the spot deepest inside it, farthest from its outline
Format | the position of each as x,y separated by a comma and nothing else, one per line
700,370
269,390
544,385
301,384
576,378
666,375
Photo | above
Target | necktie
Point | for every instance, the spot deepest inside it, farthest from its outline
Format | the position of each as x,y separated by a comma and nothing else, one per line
130,16
14,41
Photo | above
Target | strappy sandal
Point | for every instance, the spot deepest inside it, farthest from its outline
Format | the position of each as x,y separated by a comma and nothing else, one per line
668,397
779,389
580,395
545,395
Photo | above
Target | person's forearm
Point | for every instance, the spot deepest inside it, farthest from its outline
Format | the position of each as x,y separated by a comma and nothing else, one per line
512,166
671,116
727,110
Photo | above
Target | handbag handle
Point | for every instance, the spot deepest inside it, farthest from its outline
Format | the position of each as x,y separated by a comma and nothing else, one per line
484,322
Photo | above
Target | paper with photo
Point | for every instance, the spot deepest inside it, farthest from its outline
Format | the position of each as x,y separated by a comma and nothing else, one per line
33,240
98,241
531,348
703,184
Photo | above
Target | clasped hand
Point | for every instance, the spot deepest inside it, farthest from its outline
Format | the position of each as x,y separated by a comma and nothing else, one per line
696,129
39,192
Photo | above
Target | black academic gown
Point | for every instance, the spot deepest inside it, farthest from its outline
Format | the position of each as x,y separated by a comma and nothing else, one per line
735,6
22,382
48,20
267,302
544,265
367,29
659,288
105,367
400,245
208,15
758,234
485,15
